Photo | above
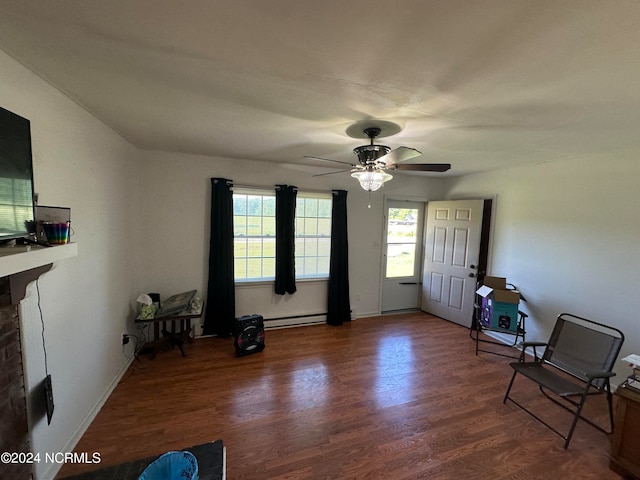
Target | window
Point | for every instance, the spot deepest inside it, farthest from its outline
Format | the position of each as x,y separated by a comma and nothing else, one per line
313,235
254,231
254,235
402,237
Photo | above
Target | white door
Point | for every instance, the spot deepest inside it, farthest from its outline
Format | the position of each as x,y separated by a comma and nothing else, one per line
402,255
452,249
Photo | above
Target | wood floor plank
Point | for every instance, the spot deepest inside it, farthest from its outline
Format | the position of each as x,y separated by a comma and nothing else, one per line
394,397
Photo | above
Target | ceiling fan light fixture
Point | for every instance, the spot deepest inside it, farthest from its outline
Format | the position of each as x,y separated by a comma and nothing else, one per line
370,153
374,160
371,180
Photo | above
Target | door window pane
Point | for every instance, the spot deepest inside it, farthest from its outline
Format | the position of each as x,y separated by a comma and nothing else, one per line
402,231
401,260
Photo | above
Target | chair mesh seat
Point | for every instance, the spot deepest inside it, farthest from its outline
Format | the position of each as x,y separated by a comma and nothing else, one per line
541,375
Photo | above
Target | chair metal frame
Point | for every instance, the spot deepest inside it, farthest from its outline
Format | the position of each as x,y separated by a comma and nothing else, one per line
545,370
478,327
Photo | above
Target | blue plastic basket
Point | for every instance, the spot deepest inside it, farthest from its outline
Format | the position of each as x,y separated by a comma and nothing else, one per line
180,465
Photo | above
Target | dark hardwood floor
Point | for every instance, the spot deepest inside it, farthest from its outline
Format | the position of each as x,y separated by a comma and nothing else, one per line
393,397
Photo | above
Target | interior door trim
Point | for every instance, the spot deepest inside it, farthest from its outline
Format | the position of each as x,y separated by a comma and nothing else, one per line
398,198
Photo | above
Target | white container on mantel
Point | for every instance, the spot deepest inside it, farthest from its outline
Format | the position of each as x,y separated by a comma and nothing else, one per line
15,259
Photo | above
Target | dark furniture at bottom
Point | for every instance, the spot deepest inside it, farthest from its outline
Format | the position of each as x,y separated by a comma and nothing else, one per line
210,456
625,448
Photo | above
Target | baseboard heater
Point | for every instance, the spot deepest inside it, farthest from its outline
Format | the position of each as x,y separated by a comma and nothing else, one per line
282,322
295,320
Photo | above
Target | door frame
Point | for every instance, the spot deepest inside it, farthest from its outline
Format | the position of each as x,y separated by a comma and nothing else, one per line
383,240
486,236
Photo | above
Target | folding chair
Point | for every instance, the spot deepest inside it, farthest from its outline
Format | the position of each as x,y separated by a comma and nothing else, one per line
583,349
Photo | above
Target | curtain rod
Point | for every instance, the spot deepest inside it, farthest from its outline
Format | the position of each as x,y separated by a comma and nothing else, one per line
259,187
273,187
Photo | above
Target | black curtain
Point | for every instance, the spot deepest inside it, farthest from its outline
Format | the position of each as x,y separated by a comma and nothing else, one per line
221,297
338,307
285,239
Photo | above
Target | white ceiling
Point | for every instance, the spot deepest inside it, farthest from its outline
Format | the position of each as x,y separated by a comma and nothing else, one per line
476,83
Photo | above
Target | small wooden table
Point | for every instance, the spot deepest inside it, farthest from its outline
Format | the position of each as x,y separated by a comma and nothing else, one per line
174,337
625,449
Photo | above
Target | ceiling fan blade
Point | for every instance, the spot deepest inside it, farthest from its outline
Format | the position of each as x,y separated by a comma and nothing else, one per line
331,173
422,167
330,160
398,155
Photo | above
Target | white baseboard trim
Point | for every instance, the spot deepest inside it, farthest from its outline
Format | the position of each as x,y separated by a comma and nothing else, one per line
502,338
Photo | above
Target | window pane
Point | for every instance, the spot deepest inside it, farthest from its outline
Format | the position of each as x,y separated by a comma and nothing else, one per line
323,264
400,260
254,267
310,226
254,226
254,247
310,207
310,266
240,267
269,267
324,208
254,205
239,204
269,226
239,226
310,247
402,225
239,248
269,247
324,246
324,227
269,206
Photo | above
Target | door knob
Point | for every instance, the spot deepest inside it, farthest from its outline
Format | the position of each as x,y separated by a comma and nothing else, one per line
472,266
472,275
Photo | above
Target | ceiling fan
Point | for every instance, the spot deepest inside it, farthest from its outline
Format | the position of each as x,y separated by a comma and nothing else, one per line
375,161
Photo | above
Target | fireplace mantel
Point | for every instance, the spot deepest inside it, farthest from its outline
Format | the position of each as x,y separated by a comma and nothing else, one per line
23,267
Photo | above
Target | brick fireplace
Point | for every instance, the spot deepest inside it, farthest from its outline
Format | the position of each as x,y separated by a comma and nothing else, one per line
14,429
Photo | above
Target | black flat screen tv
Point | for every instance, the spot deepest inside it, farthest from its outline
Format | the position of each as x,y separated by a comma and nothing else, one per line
16,177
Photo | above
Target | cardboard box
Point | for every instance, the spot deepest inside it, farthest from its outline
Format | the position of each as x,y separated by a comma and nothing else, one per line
499,305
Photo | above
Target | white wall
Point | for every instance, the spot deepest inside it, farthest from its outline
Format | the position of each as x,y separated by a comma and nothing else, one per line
176,200
567,233
78,163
